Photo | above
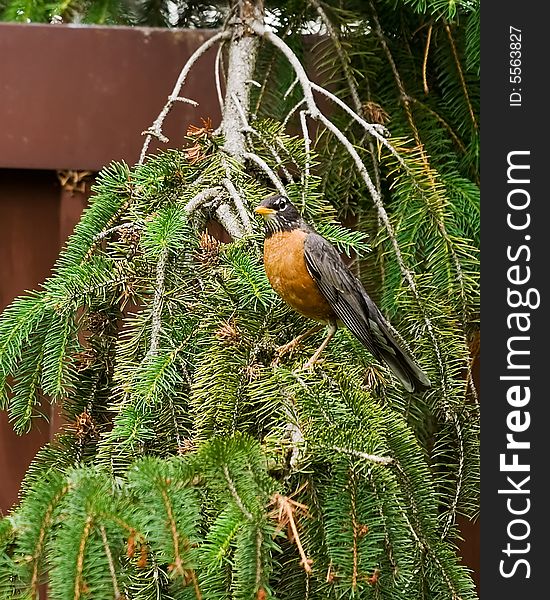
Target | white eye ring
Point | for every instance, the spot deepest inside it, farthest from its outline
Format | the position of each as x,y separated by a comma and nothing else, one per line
282,205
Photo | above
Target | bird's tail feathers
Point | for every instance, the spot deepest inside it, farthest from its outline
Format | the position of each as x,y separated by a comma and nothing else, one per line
406,370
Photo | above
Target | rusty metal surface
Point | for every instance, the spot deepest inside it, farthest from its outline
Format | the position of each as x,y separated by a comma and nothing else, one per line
77,97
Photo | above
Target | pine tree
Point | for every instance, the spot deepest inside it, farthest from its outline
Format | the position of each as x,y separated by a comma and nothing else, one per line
196,462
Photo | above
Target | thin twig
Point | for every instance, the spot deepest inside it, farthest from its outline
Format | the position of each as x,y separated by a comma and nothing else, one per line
441,120
461,75
285,516
104,234
109,556
78,583
290,88
307,143
381,460
375,129
425,61
219,58
292,111
201,198
341,55
239,204
156,314
156,128
248,129
267,170
233,491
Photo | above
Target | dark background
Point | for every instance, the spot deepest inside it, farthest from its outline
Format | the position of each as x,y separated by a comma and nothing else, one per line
506,129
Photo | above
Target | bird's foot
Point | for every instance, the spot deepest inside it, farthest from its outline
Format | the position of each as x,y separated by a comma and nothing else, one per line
311,364
282,350
286,348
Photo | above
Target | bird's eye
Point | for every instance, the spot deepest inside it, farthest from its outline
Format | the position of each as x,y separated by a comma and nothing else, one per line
282,204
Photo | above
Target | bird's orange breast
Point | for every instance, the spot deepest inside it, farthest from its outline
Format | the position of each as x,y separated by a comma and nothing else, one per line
286,269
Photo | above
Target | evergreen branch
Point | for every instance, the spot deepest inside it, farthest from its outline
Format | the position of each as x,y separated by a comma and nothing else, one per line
382,460
461,76
156,314
441,120
201,198
56,377
156,128
39,547
406,104
17,324
78,583
109,556
259,570
178,563
354,526
239,204
229,221
233,491
428,547
459,479
352,84
307,146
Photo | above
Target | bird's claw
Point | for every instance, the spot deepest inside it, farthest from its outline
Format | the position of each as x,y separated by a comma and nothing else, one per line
286,348
311,364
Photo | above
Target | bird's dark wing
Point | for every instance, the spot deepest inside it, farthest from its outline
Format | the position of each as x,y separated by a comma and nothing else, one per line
358,312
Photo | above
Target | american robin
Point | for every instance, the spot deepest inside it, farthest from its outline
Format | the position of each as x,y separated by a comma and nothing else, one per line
307,272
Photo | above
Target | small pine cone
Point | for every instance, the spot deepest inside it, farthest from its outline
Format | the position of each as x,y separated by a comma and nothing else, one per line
84,426
130,236
97,322
374,113
209,249
229,333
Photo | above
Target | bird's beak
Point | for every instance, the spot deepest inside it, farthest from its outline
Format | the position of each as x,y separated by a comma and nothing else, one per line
264,211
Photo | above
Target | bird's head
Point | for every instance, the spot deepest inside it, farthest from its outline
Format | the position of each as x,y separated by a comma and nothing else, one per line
279,214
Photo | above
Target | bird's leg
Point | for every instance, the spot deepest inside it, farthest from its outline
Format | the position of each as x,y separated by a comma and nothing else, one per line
330,334
297,340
